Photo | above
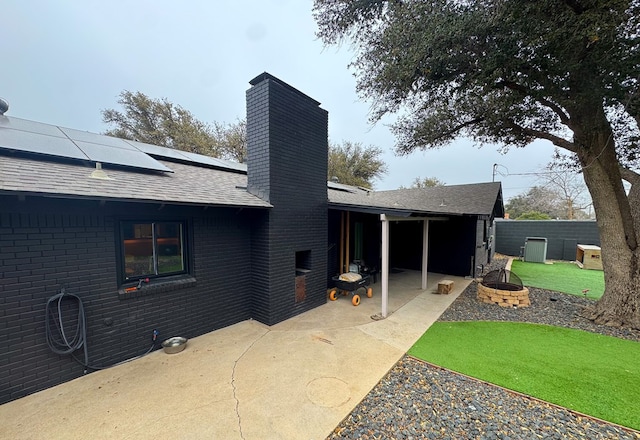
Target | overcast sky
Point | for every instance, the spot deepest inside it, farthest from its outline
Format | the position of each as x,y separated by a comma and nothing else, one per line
63,62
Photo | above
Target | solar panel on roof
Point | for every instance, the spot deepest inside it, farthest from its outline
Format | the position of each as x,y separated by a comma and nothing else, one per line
214,161
170,153
30,126
341,187
120,156
18,140
235,165
100,139
34,137
159,151
199,158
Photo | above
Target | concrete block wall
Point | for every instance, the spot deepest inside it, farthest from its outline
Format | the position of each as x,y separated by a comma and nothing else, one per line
287,166
46,244
562,236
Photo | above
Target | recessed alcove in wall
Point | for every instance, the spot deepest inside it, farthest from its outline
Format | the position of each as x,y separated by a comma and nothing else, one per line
303,267
303,260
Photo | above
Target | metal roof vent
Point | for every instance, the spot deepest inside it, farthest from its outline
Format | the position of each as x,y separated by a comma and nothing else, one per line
4,106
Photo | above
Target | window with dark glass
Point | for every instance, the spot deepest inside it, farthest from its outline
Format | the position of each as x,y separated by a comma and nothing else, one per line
153,249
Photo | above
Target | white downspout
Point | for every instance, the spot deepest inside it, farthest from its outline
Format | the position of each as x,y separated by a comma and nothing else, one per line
425,252
385,264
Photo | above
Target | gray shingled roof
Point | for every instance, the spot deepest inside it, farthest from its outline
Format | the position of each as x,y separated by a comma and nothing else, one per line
190,184
186,185
471,199
43,159
33,163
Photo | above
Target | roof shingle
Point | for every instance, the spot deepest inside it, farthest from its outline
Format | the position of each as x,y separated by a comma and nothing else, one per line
470,199
196,179
186,185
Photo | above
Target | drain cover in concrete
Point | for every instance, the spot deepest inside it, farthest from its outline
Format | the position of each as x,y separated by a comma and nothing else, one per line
329,392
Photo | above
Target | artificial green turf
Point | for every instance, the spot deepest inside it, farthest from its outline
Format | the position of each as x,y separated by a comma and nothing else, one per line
590,373
561,277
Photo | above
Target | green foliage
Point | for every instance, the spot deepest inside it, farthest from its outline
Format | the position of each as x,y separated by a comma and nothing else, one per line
561,197
533,215
160,122
509,73
552,199
537,199
427,182
231,140
587,372
352,164
561,277
499,72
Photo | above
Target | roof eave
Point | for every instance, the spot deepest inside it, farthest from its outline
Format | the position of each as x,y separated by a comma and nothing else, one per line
370,209
263,205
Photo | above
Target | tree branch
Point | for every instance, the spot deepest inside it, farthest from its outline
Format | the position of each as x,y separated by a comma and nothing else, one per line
459,127
630,176
564,118
556,140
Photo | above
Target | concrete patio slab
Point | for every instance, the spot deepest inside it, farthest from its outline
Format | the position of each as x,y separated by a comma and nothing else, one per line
294,380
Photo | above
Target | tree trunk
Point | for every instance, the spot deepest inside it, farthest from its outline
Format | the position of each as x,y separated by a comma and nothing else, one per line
618,224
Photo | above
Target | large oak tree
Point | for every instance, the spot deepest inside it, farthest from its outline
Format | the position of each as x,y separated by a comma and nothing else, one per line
510,72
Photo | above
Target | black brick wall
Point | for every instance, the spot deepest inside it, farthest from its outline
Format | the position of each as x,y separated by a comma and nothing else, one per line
287,166
562,236
47,243
242,262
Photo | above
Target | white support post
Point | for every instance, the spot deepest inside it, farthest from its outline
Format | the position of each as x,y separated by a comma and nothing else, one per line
385,264
425,252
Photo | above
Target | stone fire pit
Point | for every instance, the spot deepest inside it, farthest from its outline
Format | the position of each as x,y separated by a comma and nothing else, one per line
504,288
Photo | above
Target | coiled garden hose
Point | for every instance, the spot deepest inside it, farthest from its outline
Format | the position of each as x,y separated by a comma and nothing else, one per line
62,342
59,342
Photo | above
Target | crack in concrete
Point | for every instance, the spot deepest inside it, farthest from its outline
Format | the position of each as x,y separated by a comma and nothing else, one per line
233,382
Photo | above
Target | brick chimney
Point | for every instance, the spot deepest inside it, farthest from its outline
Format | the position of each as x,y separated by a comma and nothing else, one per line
287,151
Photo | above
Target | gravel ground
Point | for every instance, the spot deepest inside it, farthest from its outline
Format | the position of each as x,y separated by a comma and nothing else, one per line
416,400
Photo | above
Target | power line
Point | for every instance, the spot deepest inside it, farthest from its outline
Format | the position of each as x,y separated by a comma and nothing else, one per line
495,171
530,174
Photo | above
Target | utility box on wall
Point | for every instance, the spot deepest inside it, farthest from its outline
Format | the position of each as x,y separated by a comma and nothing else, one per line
535,249
589,257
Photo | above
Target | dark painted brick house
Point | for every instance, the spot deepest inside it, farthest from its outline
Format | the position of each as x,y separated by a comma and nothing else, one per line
220,242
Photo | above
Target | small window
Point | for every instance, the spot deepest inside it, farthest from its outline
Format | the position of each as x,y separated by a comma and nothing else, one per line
153,249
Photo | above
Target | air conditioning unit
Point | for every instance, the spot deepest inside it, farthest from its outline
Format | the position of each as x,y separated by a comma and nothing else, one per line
535,249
